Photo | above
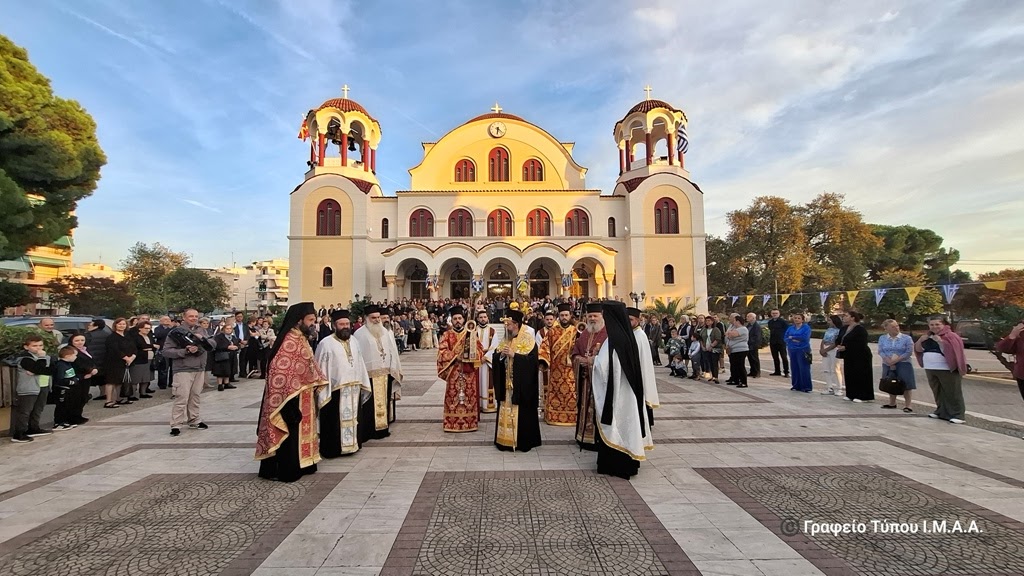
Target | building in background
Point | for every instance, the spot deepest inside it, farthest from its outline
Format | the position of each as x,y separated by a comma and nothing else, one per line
261,286
37,267
498,207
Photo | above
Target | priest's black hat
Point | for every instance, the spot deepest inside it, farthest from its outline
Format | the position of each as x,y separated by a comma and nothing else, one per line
634,312
593,307
372,309
514,315
565,307
339,314
457,310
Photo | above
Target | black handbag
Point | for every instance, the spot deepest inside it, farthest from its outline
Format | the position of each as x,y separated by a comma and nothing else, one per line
809,356
892,385
221,356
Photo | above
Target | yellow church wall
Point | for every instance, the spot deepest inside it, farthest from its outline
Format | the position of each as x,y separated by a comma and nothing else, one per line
522,140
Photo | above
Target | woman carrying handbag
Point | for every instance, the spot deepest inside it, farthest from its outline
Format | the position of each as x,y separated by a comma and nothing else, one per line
895,350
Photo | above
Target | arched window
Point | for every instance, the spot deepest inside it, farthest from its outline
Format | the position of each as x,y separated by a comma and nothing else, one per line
666,216
577,223
499,223
465,171
538,223
384,228
460,223
328,218
497,165
670,274
533,171
611,227
421,224
328,279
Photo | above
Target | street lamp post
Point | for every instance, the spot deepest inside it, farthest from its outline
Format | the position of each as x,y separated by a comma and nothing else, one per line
636,298
245,305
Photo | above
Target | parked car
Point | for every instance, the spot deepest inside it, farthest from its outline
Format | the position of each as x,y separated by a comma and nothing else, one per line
68,325
972,332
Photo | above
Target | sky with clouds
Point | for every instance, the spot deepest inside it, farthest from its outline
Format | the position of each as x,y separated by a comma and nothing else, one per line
910,109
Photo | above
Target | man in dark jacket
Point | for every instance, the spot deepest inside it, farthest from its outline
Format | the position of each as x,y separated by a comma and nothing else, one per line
754,342
777,342
96,344
653,331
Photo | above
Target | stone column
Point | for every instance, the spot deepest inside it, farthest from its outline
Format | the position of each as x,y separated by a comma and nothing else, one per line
390,279
609,287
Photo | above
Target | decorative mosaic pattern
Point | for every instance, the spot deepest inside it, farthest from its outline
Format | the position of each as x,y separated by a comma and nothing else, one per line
534,526
171,525
779,496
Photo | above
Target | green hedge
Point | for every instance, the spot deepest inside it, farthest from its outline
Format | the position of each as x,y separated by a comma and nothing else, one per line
12,339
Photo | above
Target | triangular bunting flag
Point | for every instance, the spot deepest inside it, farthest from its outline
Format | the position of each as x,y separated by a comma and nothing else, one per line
765,299
949,290
734,299
749,298
824,297
719,299
996,285
879,294
912,292
783,298
851,295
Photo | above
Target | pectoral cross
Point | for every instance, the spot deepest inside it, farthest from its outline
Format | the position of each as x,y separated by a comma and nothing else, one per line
647,91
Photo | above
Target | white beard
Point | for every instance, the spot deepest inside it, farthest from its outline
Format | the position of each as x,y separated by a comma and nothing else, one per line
594,328
376,330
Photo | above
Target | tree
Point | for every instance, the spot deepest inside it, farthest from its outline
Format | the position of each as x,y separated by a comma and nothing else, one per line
674,307
1012,296
768,244
913,250
192,288
13,294
49,156
91,296
893,304
145,270
997,322
840,243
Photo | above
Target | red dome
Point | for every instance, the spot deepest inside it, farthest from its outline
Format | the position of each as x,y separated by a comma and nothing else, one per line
345,105
490,115
648,105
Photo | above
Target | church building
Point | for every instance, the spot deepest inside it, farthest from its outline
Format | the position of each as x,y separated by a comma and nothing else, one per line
496,206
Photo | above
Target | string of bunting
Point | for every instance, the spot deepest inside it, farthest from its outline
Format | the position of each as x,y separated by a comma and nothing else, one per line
948,292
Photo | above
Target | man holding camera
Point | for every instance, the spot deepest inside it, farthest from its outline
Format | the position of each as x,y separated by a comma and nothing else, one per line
186,345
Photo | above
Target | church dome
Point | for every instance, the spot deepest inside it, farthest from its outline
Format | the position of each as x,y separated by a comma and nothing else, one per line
648,105
495,115
345,105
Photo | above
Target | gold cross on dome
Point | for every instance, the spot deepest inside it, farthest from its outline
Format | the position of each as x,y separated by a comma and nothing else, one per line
344,91
647,91
496,109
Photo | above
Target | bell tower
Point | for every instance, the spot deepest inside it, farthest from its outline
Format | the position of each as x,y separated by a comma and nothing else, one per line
343,139
665,208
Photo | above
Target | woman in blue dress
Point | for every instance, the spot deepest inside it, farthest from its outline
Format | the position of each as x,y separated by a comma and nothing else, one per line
896,348
798,342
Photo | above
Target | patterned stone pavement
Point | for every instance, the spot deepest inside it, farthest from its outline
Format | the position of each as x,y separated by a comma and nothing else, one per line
119,495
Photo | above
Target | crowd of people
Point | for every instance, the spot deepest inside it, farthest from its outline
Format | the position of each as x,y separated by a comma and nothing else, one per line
119,363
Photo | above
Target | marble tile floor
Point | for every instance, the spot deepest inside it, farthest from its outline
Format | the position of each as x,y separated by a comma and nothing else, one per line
359,526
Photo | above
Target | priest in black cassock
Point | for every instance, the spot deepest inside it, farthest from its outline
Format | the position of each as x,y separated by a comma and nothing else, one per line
622,391
516,387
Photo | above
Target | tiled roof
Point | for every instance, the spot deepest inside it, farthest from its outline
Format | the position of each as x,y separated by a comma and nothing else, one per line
363,185
345,105
490,115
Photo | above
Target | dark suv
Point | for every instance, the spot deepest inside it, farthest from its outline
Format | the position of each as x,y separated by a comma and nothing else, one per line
68,325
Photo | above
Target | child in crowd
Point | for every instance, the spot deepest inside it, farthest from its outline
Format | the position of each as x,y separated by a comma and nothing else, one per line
695,360
32,385
677,366
65,382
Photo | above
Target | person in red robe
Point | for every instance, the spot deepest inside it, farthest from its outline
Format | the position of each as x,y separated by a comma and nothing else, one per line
583,353
459,355
287,443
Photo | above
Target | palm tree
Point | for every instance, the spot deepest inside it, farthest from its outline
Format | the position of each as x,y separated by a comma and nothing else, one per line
673,308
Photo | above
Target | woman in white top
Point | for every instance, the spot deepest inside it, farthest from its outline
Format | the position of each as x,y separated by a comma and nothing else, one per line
830,364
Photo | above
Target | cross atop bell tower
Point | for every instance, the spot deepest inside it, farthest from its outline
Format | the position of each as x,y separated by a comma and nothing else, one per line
344,91
647,92
496,109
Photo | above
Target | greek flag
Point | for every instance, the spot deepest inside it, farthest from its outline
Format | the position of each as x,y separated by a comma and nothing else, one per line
566,280
478,285
682,142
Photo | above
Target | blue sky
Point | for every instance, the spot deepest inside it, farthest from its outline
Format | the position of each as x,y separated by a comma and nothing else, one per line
910,109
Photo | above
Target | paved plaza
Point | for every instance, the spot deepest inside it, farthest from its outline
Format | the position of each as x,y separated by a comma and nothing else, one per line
729,489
